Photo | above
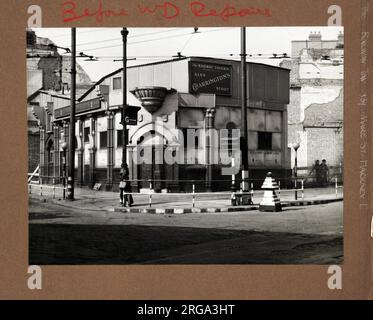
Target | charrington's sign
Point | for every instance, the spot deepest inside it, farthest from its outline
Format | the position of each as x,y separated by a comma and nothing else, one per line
207,77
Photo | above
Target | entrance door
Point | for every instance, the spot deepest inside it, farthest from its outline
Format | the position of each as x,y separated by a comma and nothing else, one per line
148,169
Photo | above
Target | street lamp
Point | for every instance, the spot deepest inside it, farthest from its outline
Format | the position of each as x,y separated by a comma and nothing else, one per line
245,199
124,33
64,147
296,147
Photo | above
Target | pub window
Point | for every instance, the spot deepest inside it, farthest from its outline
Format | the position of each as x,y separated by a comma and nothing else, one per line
231,137
103,139
185,136
87,131
120,137
264,140
117,83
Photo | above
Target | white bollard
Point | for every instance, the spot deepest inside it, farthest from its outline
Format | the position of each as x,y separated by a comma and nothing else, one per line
336,187
302,189
252,191
194,200
54,190
150,195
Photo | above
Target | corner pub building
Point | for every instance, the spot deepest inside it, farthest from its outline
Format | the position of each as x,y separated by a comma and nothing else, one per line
174,96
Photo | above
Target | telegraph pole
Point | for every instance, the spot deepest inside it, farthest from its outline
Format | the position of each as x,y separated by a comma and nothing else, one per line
243,138
124,33
71,168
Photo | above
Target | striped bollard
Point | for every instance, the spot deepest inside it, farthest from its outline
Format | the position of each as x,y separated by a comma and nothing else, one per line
271,202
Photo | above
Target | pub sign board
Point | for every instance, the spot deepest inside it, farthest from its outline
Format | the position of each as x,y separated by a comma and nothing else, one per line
205,77
130,115
79,107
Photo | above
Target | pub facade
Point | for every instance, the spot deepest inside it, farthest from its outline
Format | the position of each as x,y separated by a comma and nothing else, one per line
177,100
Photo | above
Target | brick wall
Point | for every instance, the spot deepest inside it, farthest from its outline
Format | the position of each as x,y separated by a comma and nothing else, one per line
51,76
293,107
325,114
324,126
325,144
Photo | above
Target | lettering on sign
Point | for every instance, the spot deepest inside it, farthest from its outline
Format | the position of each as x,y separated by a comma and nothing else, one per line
212,78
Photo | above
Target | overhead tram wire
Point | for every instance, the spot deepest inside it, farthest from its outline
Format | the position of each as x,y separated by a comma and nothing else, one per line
179,54
67,34
136,42
213,55
106,29
119,39
217,55
150,40
134,36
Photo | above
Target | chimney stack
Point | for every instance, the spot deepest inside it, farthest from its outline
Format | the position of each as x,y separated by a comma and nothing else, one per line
315,36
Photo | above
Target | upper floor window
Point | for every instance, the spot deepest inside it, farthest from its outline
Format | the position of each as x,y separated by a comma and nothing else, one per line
117,83
48,125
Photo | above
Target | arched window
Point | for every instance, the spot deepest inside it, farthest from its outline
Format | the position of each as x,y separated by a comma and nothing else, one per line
50,152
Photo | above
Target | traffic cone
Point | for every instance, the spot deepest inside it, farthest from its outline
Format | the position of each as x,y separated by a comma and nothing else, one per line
271,201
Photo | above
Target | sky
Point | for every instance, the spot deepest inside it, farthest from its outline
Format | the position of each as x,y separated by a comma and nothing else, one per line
155,44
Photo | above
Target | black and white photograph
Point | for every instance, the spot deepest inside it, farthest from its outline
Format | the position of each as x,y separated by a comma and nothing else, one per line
193,145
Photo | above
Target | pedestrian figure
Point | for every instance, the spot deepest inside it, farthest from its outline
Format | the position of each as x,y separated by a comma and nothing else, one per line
324,173
315,172
125,187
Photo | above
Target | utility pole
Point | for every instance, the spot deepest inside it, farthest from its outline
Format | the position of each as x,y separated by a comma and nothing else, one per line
71,167
124,33
246,199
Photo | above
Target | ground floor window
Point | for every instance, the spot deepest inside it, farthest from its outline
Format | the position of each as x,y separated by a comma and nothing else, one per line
264,140
103,139
120,137
87,131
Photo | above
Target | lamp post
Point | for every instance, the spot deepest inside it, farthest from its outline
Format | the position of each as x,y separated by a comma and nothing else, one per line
233,185
71,174
64,147
124,34
246,199
296,147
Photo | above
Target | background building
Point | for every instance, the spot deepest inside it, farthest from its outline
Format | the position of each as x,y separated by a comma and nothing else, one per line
47,71
315,111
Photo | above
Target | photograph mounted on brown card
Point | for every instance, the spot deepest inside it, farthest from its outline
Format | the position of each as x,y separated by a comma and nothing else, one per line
171,144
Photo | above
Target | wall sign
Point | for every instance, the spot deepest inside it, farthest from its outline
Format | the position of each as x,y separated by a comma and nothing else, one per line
205,77
79,107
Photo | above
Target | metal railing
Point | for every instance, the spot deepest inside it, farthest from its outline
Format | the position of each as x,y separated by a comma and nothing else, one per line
56,190
44,189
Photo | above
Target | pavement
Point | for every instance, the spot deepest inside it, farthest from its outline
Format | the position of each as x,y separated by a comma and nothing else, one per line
181,203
